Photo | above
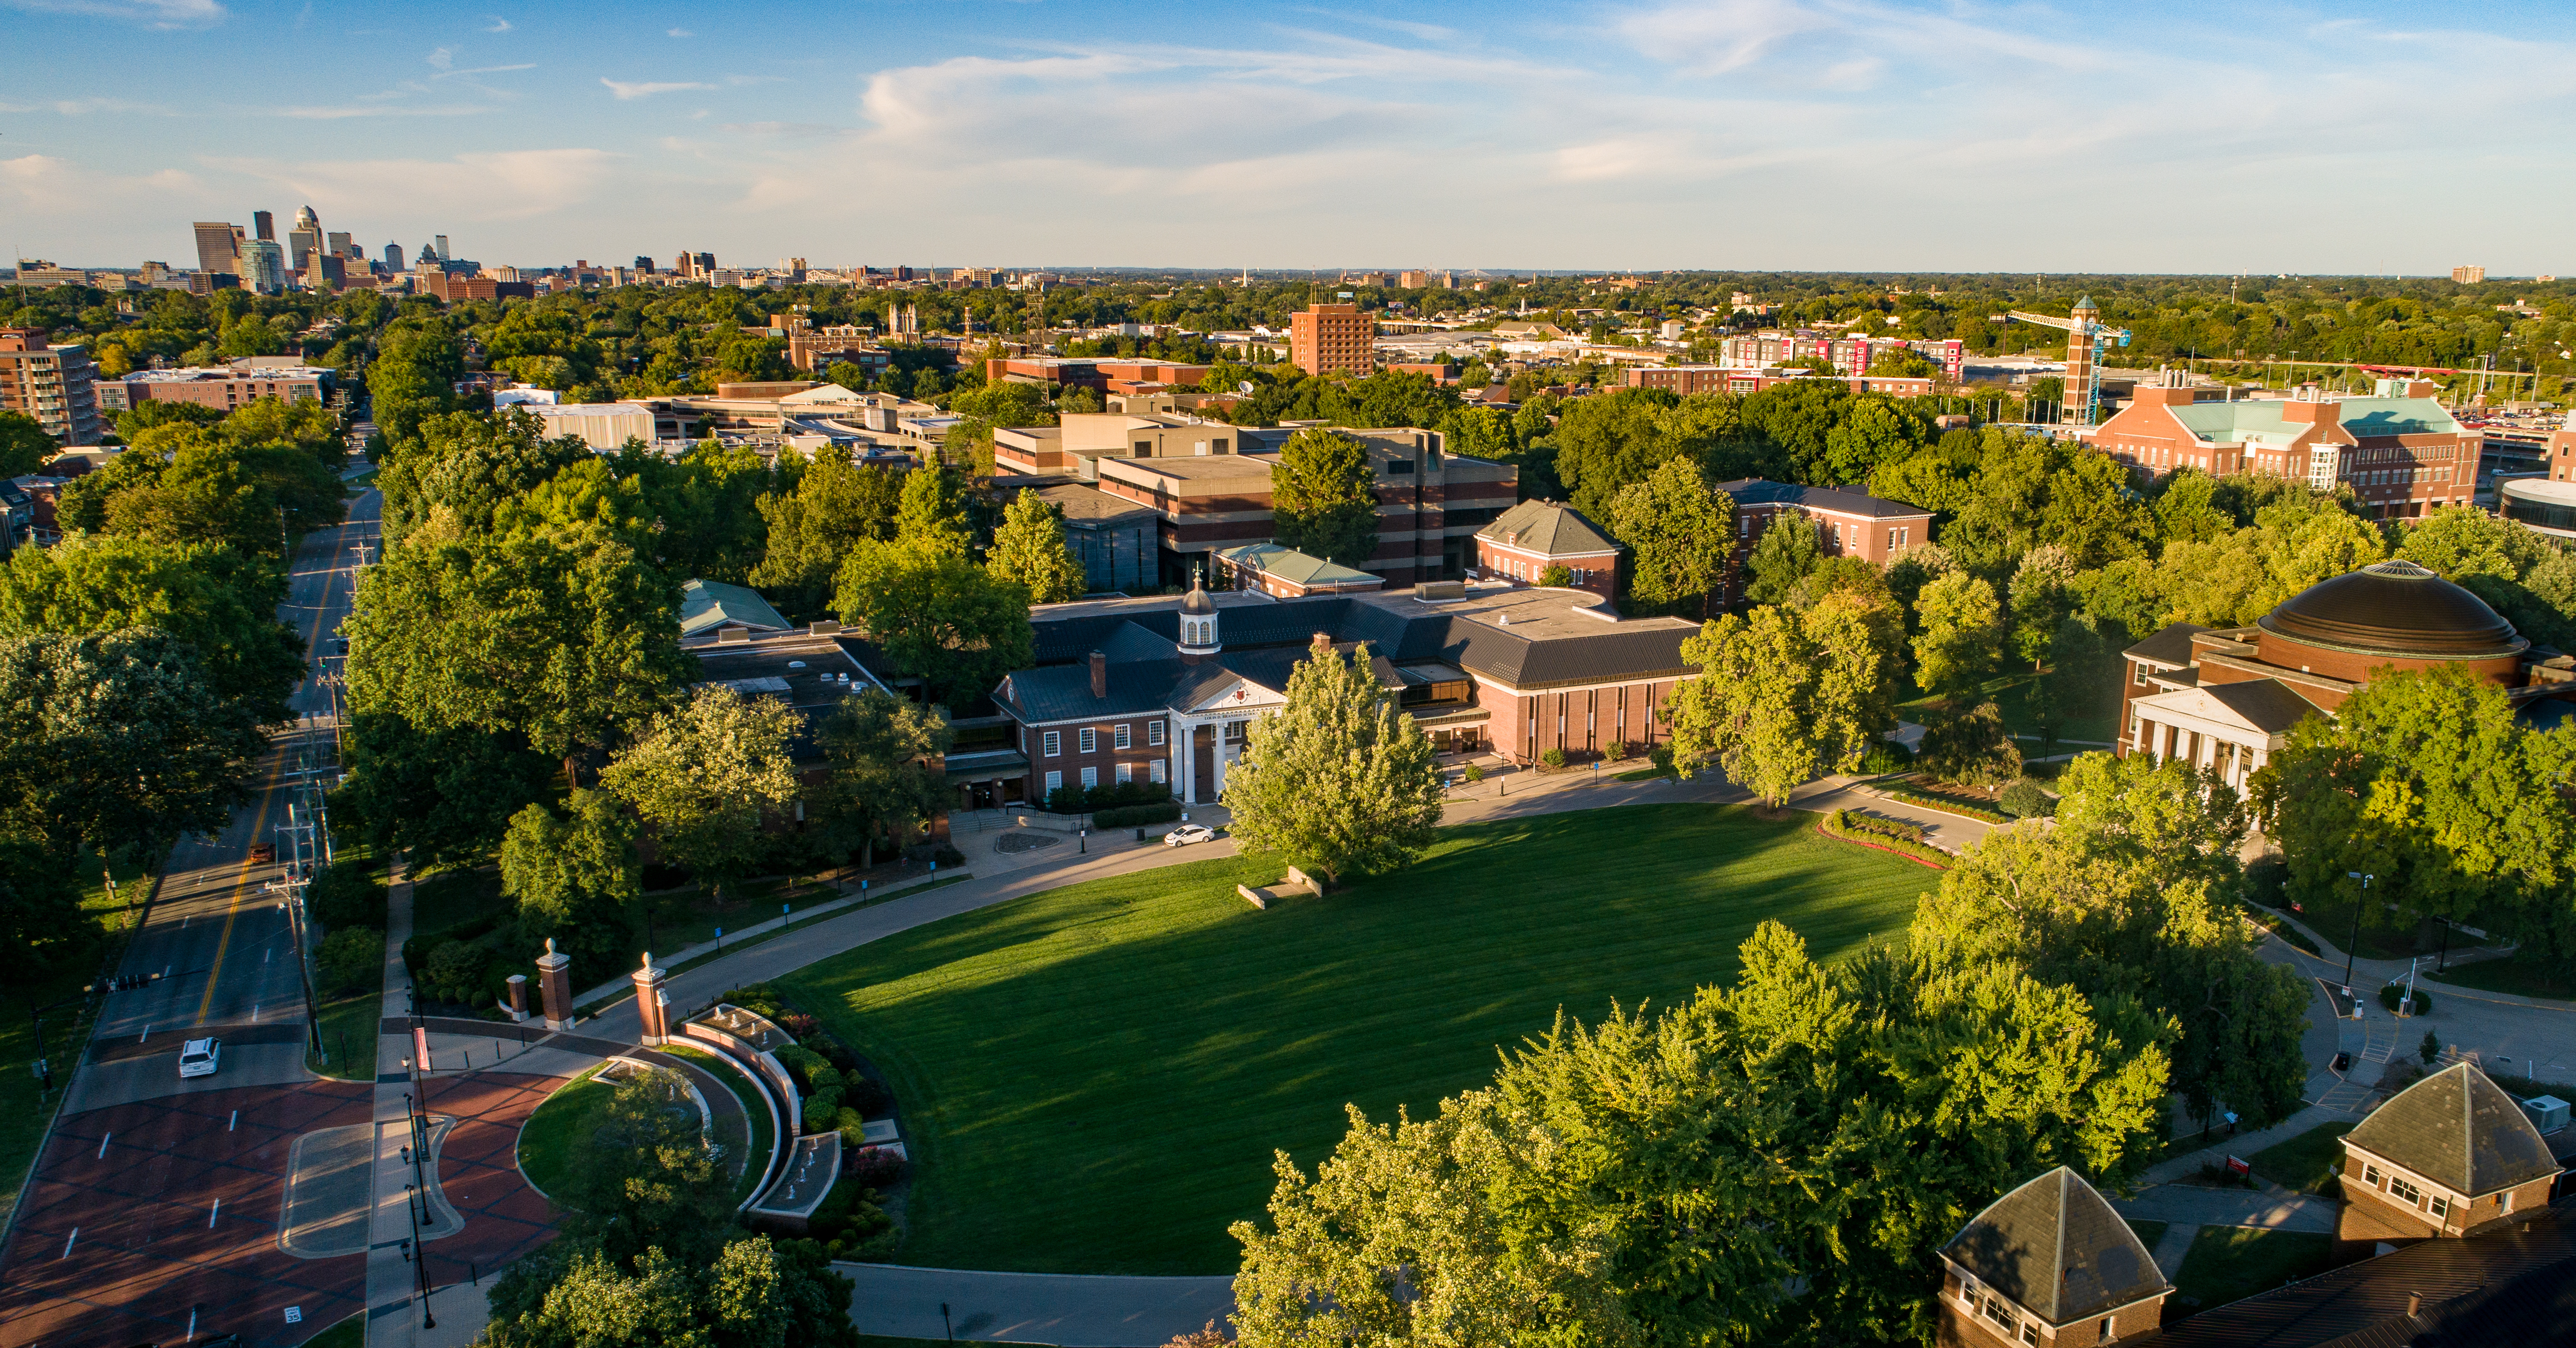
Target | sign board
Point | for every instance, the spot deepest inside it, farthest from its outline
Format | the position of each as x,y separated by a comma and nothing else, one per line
2239,1167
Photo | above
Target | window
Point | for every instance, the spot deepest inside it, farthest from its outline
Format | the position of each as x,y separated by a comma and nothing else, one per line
1996,1311
1118,737
1748,526
2405,1192
2441,1205
1154,771
1054,742
1054,782
1154,734
1087,740
1126,773
1234,731
2030,1331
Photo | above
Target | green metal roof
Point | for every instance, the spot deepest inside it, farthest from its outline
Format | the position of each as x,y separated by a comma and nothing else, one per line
2262,420
1548,529
1291,565
709,604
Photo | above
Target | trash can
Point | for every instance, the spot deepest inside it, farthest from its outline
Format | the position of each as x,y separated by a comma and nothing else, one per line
1140,835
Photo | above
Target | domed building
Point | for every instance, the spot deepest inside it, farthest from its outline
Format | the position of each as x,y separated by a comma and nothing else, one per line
2225,698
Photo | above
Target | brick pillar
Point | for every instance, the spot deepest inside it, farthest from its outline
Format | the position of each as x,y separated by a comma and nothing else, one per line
554,985
648,1003
518,997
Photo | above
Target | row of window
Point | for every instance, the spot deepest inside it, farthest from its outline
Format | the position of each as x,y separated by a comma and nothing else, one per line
1090,777
1899,537
1087,739
1529,572
2406,1191
2381,477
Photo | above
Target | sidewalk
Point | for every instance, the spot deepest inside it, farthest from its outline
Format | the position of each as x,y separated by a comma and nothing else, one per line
623,985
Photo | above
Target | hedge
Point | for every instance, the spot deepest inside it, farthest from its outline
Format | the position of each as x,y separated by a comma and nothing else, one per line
1946,805
1840,824
1130,816
1078,799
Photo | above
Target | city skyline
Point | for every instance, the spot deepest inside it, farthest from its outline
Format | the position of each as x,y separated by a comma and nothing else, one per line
1759,135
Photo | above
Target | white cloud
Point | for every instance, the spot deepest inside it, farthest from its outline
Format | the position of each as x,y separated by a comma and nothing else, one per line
47,188
506,185
499,25
441,58
149,13
625,91
681,32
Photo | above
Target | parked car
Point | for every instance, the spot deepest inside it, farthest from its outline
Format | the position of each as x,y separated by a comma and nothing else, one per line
200,1057
262,854
1188,833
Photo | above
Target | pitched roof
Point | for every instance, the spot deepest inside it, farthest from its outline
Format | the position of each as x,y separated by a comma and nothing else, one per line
1761,491
1299,568
2268,705
2459,1130
1548,529
709,604
2055,1247
2171,645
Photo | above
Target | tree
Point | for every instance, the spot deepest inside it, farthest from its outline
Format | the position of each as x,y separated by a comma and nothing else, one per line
1970,746
1873,429
2463,541
575,877
705,775
2083,674
1324,497
1613,440
932,516
1785,694
1337,780
1680,532
564,639
705,506
2042,596
1658,1179
441,795
1961,637
1789,548
465,466
882,777
1029,549
938,616
24,446
413,377
834,506
222,605
182,483
2426,780
118,743
42,927
1556,576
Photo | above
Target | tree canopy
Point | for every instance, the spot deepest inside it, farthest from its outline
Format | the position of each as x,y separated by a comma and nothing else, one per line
1338,781
1680,532
1323,497
706,774
937,616
1029,549
1786,694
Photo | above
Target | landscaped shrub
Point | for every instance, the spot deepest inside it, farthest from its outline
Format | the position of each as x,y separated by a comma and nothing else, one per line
455,972
1080,799
796,1023
823,1112
1661,756
2430,1049
352,958
849,1226
1475,772
802,1063
1129,816
1885,828
948,856
2392,996
866,1095
1554,758
2024,800
1616,751
872,1167
346,895
1884,757
1888,834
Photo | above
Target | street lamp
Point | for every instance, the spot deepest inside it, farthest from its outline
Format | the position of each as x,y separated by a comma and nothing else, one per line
2356,931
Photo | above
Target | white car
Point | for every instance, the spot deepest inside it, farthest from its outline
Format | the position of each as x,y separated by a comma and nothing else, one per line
199,1057
1188,833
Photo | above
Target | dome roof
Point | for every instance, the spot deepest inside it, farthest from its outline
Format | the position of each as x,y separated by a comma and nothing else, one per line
2398,609
1198,602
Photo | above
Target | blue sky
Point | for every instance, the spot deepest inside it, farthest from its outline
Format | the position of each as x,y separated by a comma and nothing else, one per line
1796,134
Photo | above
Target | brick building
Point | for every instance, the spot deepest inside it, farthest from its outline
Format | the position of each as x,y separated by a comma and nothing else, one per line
1286,573
1078,440
1165,689
2049,1263
2225,699
1847,523
1332,339
57,385
1688,379
2448,1157
227,387
1106,374
2402,452
1524,541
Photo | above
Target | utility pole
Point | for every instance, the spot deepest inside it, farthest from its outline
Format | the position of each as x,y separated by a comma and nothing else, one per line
2356,935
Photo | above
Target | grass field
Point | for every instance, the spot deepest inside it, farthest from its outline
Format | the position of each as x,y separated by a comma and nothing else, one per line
24,1107
2228,1263
1093,1079
2525,973
349,1026
555,1134
2303,1162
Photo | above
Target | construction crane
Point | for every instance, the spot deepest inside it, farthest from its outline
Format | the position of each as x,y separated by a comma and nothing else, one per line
2086,338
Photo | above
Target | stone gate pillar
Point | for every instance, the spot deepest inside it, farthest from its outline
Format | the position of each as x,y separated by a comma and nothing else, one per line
649,1004
554,984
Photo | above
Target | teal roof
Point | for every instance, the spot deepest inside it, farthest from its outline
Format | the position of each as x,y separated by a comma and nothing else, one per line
1548,529
1288,564
706,605
2261,419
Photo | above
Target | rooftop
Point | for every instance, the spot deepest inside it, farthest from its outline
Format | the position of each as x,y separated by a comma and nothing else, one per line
2055,1247
1201,467
706,605
1760,491
2459,1130
1549,529
1291,565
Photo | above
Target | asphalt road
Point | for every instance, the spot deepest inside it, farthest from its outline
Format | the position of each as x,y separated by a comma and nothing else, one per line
218,935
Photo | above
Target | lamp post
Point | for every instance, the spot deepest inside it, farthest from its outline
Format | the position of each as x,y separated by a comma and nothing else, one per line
2356,932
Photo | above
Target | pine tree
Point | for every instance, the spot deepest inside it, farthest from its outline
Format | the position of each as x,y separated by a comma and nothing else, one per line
1338,781
1030,548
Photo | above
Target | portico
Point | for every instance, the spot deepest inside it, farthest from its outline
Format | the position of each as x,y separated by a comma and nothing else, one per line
1211,730
2230,729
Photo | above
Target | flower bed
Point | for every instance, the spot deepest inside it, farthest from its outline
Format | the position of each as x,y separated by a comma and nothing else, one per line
1878,834
1946,804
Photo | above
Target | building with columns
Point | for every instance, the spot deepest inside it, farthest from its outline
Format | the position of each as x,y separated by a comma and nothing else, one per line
1165,690
2224,699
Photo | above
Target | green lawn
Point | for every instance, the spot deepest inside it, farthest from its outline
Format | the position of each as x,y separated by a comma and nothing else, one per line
2010,692
349,1333
751,1152
1093,1079
2303,1162
2228,1263
2525,973
349,1026
555,1134
24,1107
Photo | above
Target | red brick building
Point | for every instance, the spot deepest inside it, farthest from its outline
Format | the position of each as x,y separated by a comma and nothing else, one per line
1105,374
2449,1157
2401,451
1847,523
1332,339
1531,537
227,387
1687,379
2225,699
2049,1263
1286,573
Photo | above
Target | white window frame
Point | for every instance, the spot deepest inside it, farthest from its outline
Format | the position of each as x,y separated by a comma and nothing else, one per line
1126,773
1153,732
1154,771
1087,739
1090,778
1119,736
1054,783
1051,744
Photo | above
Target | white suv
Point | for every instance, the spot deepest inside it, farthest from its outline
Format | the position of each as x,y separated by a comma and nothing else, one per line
199,1057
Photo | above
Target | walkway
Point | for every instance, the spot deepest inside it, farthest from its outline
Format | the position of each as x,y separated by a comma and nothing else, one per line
1070,1310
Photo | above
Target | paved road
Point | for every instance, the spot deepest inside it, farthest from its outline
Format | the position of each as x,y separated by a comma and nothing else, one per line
156,1201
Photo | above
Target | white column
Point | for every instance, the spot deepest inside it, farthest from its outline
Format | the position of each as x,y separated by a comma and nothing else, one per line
1184,747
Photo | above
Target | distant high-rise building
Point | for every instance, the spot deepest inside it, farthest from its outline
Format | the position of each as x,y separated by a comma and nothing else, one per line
1332,339
265,224
393,256
303,241
429,256
340,247
2468,276
219,247
56,385
443,252
643,264
263,266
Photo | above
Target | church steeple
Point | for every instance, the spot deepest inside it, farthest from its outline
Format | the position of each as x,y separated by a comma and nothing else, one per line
1199,638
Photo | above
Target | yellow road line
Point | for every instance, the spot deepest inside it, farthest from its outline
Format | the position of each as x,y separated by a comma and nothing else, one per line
259,822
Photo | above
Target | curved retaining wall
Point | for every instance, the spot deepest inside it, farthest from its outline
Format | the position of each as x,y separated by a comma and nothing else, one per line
759,1067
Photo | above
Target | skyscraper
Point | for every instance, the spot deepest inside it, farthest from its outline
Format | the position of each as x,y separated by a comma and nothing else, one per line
393,257
643,264
263,266
444,252
304,240
219,247
265,224
429,254
339,246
